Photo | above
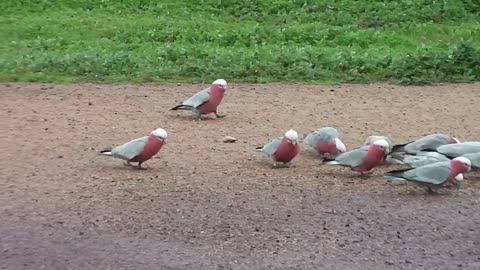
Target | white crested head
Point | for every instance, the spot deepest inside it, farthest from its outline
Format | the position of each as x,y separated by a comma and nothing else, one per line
340,145
382,143
292,135
221,82
465,161
160,133
459,177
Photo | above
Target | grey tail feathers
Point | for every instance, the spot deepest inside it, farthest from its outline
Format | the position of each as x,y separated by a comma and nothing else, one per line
398,147
327,160
396,174
106,152
181,107
259,148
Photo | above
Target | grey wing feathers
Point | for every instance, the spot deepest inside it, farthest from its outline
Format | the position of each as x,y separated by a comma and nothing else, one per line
429,142
130,149
271,147
198,99
459,149
425,158
435,173
474,158
353,158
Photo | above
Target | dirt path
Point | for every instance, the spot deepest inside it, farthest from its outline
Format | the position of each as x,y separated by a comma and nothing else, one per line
204,204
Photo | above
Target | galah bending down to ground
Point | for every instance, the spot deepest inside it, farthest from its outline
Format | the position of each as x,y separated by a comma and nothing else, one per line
206,101
362,159
282,149
140,149
459,149
429,142
435,175
326,141
418,160
475,159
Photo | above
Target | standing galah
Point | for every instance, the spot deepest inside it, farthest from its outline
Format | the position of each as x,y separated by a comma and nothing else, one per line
429,142
205,101
140,149
373,138
282,149
362,159
435,175
475,159
326,141
418,160
459,149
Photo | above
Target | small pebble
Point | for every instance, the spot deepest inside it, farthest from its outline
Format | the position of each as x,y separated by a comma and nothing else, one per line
229,139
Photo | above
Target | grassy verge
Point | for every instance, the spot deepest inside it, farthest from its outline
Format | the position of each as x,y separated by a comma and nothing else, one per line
403,41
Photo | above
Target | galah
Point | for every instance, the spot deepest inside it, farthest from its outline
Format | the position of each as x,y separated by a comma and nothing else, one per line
434,175
140,149
206,101
282,149
326,141
420,159
362,159
475,159
373,138
429,142
459,149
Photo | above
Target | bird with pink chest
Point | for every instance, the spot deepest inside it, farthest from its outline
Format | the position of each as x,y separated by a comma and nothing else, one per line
205,101
140,149
363,159
282,149
435,175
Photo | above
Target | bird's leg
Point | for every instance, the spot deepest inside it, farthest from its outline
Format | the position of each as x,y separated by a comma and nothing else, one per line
139,166
219,115
274,166
432,190
127,164
197,116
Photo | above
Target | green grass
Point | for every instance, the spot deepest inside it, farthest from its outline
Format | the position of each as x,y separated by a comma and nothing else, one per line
404,41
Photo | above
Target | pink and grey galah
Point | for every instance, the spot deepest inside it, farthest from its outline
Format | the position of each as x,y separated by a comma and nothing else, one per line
434,175
429,142
363,159
282,149
205,101
326,141
140,149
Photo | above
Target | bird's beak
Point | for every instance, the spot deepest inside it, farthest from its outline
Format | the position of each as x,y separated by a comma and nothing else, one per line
294,142
164,141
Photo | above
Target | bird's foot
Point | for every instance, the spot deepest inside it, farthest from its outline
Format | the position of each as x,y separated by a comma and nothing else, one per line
127,164
220,115
274,165
366,174
139,167
432,190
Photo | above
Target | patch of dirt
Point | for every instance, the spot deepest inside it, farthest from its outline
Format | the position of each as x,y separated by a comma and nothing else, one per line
206,204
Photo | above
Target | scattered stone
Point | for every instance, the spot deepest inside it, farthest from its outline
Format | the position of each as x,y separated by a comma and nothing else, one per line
229,139
60,156
90,103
